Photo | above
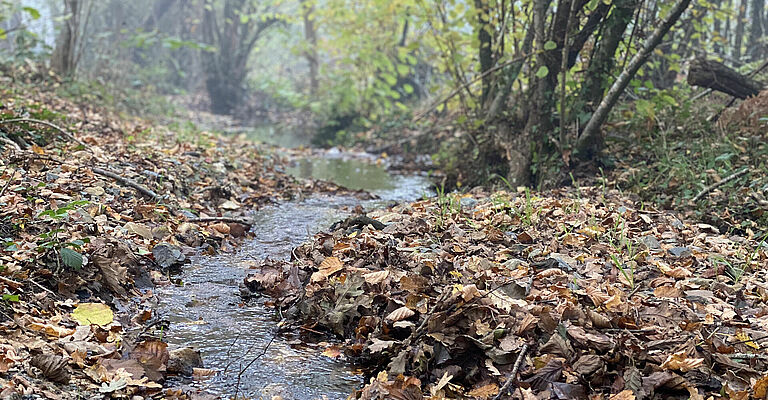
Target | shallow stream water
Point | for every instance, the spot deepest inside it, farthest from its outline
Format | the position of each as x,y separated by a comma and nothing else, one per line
206,311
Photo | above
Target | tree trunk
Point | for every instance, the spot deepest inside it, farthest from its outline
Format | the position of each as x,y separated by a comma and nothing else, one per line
602,62
738,39
717,29
716,76
64,55
234,39
485,51
310,35
756,46
591,140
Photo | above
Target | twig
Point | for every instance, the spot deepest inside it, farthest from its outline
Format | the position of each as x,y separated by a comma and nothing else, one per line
748,356
221,219
128,182
513,375
719,183
11,143
42,287
46,123
11,282
464,86
8,183
242,371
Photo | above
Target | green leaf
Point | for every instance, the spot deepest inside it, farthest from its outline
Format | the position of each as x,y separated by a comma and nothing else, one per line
11,297
71,258
32,12
542,72
550,45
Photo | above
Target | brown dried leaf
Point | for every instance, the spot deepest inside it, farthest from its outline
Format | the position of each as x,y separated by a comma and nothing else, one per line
400,314
681,362
375,277
328,267
53,367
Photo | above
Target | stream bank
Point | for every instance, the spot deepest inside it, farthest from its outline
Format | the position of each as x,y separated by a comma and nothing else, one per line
207,313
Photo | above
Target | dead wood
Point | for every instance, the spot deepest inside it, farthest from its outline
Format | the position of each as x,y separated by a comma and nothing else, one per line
221,219
127,182
61,130
717,76
719,183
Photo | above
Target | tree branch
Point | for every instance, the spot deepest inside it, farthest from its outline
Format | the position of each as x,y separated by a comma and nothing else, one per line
590,139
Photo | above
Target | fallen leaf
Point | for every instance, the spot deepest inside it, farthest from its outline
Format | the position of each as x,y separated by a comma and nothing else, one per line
93,313
400,314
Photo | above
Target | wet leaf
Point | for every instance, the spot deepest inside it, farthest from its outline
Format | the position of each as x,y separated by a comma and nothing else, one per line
328,267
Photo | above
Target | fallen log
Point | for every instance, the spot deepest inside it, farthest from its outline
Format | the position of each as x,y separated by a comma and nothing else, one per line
717,76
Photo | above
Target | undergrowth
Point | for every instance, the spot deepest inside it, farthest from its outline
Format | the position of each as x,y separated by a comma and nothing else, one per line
676,153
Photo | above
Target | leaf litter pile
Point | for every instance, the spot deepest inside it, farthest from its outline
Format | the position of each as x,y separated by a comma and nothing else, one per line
566,294
94,210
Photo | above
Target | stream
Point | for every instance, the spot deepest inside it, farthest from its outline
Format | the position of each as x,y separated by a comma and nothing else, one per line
207,313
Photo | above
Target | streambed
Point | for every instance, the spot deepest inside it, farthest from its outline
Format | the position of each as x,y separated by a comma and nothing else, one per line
207,312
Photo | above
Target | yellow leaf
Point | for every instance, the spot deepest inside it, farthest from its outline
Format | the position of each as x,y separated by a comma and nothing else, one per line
37,149
93,313
680,361
743,337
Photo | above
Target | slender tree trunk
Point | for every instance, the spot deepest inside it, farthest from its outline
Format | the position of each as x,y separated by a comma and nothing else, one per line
602,62
310,35
727,35
738,39
717,29
756,44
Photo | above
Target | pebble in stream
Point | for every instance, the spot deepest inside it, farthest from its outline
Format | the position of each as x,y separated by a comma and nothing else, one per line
205,312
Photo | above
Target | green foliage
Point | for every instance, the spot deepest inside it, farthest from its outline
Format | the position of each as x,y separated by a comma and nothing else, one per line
49,241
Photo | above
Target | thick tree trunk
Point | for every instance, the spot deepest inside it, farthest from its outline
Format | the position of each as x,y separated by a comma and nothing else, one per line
716,76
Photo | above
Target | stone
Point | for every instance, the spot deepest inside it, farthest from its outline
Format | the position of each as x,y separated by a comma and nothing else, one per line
184,361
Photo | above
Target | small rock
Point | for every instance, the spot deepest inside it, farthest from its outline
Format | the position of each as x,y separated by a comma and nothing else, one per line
468,202
184,361
680,252
650,242
168,255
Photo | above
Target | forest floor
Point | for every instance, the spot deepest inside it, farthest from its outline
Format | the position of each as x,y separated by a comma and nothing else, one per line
95,209
569,293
